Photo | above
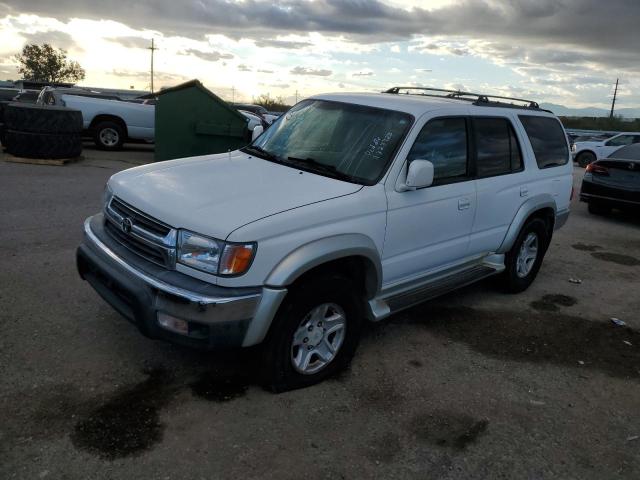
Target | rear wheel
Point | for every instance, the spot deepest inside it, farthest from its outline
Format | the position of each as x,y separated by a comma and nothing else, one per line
108,135
524,259
585,158
596,208
314,334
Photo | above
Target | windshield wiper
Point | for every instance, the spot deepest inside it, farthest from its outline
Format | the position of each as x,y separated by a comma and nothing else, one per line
316,166
261,152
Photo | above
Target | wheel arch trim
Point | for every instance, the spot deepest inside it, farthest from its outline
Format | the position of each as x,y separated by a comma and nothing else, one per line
318,252
106,117
525,211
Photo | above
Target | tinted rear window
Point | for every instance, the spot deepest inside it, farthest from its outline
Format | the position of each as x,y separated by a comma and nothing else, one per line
547,139
497,148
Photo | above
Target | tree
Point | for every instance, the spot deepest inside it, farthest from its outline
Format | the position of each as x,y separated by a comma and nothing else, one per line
277,104
43,63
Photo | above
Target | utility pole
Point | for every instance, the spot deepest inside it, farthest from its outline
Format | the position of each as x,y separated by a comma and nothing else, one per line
296,96
233,94
153,49
613,103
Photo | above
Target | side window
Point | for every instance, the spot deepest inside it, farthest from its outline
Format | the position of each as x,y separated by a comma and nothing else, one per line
497,148
620,141
547,140
443,141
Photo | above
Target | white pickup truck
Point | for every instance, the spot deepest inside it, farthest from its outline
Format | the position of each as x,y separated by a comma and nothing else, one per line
109,121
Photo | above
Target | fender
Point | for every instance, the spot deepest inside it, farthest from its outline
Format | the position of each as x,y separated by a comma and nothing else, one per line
324,250
538,202
303,259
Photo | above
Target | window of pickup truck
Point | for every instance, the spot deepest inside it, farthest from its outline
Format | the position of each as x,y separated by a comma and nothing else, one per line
351,142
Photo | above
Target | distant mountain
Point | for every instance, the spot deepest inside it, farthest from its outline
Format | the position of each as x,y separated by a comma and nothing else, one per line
563,111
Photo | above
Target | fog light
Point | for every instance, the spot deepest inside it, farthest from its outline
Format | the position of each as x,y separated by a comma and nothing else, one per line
174,324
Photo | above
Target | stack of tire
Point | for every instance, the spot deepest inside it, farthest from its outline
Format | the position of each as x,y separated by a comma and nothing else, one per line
42,131
3,104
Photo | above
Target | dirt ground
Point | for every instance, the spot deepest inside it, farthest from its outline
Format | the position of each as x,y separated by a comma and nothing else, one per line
477,384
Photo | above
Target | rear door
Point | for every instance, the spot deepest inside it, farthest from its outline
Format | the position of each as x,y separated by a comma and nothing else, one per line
500,181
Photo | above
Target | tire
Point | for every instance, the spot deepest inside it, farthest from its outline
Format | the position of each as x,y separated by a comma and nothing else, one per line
42,118
596,208
2,134
43,145
585,158
519,274
336,294
108,135
3,106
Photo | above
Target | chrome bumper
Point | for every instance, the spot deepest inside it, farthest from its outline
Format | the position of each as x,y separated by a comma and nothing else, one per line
218,316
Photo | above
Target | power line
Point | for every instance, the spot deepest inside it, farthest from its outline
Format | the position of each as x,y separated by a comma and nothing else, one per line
153,48
613,103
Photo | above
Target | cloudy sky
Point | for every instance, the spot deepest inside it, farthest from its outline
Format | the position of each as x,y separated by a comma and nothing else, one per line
562,51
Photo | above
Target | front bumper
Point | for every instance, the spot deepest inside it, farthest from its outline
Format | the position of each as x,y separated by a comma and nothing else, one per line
141,291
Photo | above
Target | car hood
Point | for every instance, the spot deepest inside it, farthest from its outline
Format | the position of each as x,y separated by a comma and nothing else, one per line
216,194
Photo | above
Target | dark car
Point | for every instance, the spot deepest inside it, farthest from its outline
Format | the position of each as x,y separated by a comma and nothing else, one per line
613,182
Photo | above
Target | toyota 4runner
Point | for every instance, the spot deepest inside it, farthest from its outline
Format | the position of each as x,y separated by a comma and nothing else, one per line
350,207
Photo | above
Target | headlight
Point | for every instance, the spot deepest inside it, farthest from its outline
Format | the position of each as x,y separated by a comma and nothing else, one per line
214,256
106,196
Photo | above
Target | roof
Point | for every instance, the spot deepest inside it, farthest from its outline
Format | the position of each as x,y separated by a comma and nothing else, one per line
415,105
195,83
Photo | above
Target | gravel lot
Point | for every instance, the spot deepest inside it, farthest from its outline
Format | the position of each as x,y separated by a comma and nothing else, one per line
477,384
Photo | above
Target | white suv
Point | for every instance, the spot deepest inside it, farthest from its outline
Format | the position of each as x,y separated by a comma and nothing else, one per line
350,206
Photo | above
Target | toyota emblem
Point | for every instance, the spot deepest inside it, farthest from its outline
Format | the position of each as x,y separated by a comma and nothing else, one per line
126,225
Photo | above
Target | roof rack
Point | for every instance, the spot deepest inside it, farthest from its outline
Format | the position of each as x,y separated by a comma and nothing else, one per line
476,98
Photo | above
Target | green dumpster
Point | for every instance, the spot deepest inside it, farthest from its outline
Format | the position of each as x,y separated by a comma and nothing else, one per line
191,121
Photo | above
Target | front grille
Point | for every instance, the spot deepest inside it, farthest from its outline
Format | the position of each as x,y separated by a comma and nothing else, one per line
139,218
143,235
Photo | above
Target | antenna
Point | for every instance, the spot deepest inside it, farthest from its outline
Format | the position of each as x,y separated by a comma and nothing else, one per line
613,103
153,48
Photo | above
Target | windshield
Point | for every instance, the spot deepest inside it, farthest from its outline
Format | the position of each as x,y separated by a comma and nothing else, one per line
346,141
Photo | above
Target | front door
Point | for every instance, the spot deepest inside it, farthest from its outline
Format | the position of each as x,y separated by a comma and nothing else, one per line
616,143
429,228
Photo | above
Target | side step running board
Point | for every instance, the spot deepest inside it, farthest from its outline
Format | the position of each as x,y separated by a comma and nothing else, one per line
384,306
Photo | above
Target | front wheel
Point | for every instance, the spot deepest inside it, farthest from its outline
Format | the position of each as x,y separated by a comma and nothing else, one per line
314,334
524,259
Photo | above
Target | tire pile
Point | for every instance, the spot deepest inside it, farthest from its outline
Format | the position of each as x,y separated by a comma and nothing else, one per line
41,131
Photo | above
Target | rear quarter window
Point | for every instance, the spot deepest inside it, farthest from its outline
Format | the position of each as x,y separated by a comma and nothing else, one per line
547,140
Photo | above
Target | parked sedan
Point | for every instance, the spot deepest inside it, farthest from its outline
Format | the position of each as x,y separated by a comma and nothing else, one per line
613,183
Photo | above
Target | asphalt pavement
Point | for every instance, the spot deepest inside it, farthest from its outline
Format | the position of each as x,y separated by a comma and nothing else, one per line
477,384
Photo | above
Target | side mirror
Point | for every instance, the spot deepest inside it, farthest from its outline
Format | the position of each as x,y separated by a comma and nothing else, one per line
420,175
257,131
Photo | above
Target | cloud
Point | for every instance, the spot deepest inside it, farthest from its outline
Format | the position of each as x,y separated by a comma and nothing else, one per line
310,71
291,45
244,68
54,38
264,71
131,41
565,40
207,56
363,73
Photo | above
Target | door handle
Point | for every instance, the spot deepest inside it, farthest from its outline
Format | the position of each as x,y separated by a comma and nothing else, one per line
463,204
524,191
